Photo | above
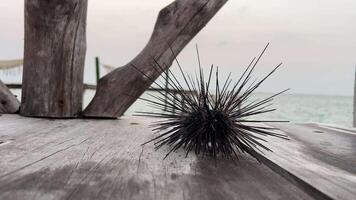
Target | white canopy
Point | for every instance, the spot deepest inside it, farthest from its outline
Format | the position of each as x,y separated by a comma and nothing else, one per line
9,64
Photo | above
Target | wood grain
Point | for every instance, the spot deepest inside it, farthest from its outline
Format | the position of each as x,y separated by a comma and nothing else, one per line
8,102
318,158
55,47
104,159
176,25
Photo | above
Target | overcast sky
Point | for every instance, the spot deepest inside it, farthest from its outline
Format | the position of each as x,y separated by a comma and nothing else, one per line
315,39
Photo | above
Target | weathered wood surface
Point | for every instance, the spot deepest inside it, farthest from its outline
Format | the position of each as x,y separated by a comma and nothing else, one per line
319,158
8,102
55,47
103,159
176,25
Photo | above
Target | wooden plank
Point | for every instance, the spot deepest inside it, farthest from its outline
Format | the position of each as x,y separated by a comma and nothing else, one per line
331,145
320,159
55,46
19,86
176,25
103,159
93,87
8,102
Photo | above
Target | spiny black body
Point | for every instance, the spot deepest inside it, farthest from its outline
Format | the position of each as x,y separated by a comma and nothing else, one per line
211,123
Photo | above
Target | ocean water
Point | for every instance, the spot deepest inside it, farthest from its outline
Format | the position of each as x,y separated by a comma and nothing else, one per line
336,110
297,108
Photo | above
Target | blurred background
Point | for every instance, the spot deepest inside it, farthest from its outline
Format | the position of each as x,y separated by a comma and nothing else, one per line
315,40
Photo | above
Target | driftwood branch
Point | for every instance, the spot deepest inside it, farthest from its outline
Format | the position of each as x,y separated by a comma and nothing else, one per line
55,46
8,102
176,25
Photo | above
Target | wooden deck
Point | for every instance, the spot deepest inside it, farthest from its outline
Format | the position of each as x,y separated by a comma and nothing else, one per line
103,159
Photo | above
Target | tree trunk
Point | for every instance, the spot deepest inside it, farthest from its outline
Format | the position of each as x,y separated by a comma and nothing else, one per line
176,25
8,102
55,47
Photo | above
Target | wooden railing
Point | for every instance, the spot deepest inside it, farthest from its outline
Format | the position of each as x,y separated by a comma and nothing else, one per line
175,92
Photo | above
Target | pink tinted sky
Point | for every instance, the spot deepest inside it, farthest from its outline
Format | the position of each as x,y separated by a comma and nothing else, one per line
315,39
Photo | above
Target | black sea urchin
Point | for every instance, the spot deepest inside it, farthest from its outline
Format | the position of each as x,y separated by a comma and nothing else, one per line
211,123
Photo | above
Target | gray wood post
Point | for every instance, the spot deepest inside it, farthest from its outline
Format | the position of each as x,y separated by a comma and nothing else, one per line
176,25
8,102
55,47
166,88
97,69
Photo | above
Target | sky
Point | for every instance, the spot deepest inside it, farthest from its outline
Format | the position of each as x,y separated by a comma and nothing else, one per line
315,39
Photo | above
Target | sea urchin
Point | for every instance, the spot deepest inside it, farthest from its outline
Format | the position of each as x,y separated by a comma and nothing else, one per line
211,123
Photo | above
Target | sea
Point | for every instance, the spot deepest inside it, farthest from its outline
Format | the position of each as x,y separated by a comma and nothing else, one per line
297,108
